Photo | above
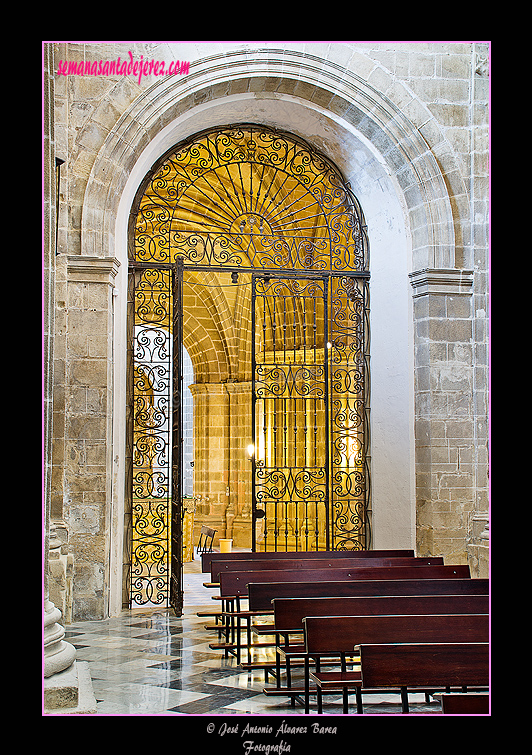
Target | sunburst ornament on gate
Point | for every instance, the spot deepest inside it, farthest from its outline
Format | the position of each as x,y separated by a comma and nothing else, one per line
249,197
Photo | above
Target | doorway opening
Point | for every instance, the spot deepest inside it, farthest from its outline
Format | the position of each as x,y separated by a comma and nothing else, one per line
248,249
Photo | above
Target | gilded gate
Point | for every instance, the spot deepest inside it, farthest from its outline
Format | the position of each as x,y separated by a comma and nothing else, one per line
249,199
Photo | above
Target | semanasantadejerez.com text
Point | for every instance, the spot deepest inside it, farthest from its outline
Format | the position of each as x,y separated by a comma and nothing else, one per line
118,67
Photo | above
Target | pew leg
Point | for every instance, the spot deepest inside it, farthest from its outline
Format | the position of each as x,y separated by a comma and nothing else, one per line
237,638
319,693
228,625
248,638
344,689
359,700
404,700
289,682
345,700
288,674
307,684
220,625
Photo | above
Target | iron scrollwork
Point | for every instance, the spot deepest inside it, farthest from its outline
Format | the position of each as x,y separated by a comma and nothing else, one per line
349,336
252,198
249,197
151,438
290,403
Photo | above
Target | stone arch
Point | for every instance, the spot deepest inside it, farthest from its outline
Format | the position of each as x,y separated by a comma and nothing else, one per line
220,338
398,126
204,351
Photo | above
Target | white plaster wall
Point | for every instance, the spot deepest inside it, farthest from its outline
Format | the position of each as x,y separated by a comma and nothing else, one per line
391,350
392,469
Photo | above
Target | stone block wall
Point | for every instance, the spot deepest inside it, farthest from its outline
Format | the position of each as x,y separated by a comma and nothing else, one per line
83,429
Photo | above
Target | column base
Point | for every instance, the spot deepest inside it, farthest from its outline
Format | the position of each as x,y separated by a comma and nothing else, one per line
70,692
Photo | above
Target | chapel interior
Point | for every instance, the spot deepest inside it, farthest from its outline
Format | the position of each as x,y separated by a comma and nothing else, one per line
266,316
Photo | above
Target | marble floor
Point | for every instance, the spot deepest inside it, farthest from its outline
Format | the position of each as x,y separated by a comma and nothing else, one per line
148,662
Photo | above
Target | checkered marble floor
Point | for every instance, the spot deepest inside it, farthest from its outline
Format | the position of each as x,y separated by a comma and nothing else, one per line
149,662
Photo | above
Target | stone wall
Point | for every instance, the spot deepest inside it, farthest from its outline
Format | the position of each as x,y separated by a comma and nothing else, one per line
421,110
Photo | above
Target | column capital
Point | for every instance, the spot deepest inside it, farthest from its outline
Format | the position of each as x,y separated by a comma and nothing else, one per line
84,269
243,386
441,281
207,389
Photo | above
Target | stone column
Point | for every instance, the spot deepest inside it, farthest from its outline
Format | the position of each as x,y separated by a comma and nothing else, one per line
222,470
240,436
211,458
58,654
444,411
67,685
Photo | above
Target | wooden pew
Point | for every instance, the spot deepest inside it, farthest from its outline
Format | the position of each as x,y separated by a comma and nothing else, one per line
235,583
234,586
433,664
465,704
261,594
207,558
327,636
289,615
287,564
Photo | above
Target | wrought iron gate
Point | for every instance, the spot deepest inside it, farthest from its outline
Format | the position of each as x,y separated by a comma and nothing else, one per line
309,402
290,489
249,199
154,521
349,411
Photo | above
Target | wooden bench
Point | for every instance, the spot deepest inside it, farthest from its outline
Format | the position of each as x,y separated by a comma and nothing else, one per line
234,586
261,594
289,615
327,636
434,664
465,704
207,558
287,564
235,583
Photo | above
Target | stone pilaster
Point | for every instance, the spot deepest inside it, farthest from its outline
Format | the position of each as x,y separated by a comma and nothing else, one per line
87,484
444,411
